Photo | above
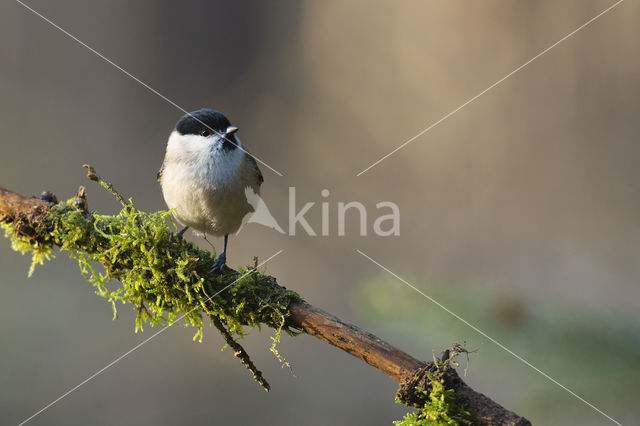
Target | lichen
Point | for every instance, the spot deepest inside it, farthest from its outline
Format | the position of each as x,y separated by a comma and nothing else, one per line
164,278
440,405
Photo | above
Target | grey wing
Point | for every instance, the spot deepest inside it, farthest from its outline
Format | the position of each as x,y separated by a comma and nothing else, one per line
254,166
159,175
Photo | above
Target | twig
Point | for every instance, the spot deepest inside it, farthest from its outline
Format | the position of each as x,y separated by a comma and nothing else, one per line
92,175
240,353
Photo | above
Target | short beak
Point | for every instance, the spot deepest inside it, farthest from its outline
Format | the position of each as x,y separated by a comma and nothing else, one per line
231,130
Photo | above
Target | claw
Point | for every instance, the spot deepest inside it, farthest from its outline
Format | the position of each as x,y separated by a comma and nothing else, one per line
219,263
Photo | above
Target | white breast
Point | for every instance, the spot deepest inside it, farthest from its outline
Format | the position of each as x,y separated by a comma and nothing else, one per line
204,183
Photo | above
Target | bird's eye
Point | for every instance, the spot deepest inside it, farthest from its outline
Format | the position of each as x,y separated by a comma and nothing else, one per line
205,132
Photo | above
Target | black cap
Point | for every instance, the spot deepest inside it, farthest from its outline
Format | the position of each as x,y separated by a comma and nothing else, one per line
202,119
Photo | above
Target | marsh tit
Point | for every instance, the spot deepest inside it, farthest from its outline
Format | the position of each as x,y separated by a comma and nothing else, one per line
204,176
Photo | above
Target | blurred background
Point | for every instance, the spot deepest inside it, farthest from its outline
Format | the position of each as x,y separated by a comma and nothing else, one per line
519,213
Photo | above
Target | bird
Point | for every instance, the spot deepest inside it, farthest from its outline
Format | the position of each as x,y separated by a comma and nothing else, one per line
204,176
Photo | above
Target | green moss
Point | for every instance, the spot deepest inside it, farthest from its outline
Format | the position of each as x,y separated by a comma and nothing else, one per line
39,252
163,278
441,406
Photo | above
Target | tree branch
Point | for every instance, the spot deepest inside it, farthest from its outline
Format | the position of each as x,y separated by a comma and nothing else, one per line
363,345
27,215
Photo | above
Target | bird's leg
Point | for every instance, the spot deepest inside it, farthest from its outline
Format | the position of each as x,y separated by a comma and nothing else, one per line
181,233
221,261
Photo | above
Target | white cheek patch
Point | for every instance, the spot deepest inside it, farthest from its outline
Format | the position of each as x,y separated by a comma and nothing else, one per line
205,158
182,147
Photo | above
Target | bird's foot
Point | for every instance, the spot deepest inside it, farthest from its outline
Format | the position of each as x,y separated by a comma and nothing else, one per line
219,263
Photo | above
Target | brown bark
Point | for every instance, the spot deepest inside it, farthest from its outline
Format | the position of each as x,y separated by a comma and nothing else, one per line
391,361
27,214
404,369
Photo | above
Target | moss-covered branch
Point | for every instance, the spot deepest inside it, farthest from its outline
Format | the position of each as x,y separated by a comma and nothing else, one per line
167,279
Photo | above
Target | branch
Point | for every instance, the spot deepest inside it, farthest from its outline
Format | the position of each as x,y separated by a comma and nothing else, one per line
41,223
